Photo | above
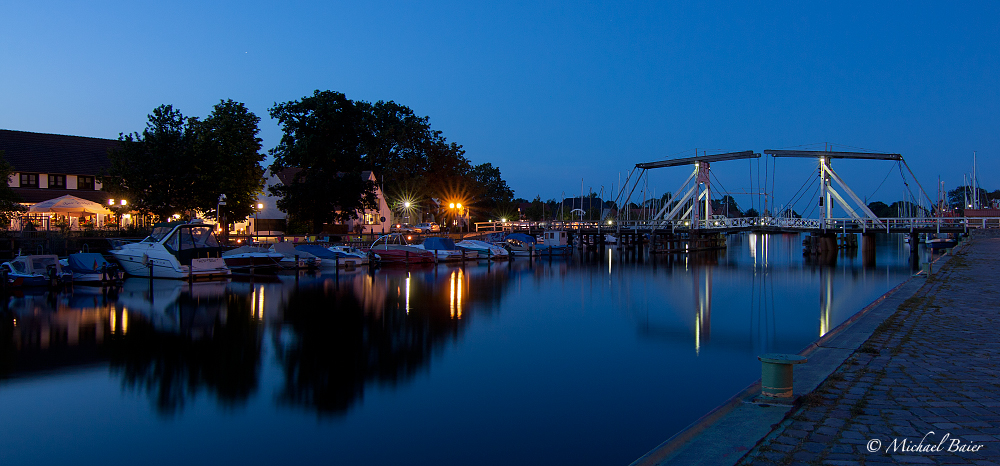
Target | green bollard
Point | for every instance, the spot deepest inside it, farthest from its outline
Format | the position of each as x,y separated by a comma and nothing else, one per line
926,268
776,374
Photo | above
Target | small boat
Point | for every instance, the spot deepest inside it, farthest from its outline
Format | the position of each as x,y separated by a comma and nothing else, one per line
306,260
255,258
445,250
177,250
91,267
555,243
520,244
327,258
941,242
351,257
392,249
35,270
485,250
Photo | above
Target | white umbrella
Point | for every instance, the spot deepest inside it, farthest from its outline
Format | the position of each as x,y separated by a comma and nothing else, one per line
70,204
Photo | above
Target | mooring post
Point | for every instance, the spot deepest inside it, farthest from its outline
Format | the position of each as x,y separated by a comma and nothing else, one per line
776,374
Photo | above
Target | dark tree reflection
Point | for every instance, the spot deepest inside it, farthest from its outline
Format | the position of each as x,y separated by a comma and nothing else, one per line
213,345
383,329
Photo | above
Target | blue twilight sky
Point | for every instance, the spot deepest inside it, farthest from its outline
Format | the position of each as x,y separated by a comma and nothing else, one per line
551,92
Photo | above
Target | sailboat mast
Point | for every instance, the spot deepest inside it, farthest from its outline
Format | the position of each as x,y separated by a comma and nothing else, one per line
975,182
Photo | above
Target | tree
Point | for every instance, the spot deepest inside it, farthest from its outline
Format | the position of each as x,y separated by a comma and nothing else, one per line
10,202
155,170
880,209
179,165
536,211
227,143
324,139
490,190
751,212
962,196
726,206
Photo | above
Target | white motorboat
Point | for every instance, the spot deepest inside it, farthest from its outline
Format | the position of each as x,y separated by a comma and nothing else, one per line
174,250
351,256
253,258
485,250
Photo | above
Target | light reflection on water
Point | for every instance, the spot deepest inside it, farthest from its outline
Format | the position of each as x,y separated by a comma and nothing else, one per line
585,360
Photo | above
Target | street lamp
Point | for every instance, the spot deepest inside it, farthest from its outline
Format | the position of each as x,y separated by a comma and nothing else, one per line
256,230
116,209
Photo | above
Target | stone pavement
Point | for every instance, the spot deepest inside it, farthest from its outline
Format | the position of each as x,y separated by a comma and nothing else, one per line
923,389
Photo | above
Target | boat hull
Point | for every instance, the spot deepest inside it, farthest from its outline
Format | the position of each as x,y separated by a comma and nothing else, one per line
142,265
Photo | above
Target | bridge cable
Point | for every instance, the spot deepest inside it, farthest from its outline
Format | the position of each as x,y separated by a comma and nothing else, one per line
774,162
808,182
815,205
883,182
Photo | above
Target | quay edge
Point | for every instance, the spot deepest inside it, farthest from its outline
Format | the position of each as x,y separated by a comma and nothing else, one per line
728,432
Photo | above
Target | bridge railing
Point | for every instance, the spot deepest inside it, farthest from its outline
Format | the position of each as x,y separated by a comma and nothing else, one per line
887,224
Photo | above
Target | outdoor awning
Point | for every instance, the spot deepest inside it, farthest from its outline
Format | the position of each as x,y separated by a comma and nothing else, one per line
69,204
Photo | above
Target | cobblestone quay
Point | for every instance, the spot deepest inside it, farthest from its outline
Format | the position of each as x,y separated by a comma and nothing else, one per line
923,389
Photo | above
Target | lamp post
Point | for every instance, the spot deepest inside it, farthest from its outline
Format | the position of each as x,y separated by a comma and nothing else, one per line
256,230
221,219
116,209
456,208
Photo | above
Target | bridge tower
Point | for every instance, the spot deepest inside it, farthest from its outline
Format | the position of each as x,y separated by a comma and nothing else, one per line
700,191
828,194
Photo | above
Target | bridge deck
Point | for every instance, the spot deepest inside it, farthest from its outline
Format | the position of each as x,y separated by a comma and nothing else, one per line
758,224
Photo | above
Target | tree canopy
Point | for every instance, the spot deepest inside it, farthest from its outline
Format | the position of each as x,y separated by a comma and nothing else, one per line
323,142
330,137
179,165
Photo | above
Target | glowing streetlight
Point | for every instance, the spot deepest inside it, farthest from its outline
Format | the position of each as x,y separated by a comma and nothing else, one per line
406,204
256,230
451,206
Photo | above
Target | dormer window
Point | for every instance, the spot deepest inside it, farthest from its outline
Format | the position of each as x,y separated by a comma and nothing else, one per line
57,181
29,180
85,183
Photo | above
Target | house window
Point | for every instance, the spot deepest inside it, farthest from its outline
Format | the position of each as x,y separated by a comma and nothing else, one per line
369,219
57,181
29,180
85,182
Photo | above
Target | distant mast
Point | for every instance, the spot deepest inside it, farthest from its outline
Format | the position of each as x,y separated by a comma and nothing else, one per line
975,183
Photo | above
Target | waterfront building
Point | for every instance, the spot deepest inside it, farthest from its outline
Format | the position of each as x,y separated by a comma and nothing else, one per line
48,166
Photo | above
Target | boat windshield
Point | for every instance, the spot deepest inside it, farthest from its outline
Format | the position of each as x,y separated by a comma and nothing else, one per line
394,238
192,237
41,264
158,234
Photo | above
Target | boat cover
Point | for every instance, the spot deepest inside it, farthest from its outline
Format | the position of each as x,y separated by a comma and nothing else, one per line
316,250
435,243
522,238
87,262
288,250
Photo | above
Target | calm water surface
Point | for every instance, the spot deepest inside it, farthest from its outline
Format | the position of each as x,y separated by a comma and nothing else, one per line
591,360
